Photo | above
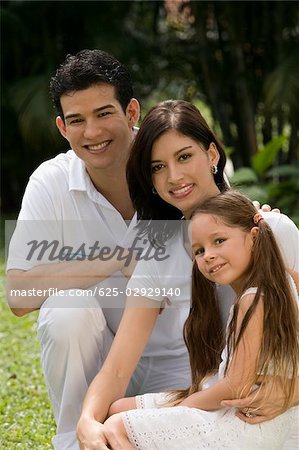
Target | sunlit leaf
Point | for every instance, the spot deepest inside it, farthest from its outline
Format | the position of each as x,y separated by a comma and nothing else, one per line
262,160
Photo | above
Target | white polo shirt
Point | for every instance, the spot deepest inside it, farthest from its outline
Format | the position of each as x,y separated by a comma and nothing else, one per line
61,206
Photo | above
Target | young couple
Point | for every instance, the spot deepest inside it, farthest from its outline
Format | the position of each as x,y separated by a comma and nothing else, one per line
175,163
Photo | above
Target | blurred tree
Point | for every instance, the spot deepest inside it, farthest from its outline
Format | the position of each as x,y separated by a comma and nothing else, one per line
244,58
240,58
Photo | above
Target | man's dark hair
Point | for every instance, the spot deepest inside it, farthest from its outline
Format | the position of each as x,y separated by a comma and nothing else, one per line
88,68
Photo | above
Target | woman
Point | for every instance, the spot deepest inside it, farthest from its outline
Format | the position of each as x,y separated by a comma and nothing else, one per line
176,161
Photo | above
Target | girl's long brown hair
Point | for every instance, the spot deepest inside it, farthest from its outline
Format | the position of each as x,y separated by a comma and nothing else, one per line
279,355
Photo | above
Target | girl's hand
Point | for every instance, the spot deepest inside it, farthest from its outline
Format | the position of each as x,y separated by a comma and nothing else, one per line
92,435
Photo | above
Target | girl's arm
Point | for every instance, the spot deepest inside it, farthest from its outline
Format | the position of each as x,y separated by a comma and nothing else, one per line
111,382
242,370
295,276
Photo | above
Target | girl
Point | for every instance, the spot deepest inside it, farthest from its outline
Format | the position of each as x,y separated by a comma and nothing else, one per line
232,244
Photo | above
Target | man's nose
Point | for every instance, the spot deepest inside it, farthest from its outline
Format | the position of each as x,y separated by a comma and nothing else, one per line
91,130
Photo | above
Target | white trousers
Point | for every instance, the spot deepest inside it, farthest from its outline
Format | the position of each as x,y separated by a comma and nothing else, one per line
75,341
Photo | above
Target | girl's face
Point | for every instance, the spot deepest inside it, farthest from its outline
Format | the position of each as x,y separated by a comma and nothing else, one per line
222,253
181,171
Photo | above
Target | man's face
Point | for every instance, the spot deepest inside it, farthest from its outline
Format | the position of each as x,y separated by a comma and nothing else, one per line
97,128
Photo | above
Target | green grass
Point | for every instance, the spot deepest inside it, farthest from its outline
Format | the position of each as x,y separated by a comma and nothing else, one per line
26,420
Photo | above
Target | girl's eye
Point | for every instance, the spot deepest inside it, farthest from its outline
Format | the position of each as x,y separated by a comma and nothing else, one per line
199,252
157,167
219,241
184,156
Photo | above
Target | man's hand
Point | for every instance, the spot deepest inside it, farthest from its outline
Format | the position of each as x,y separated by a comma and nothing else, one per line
92,435
265,207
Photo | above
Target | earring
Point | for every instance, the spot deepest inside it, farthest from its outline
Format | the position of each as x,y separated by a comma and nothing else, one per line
214,169
154,190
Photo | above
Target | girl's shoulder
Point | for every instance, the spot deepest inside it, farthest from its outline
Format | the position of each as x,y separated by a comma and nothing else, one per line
246,300
248,291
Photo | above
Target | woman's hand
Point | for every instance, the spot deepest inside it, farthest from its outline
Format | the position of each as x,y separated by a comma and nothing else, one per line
258,407
93,435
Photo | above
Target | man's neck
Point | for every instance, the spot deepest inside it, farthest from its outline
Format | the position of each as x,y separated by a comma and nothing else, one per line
114,187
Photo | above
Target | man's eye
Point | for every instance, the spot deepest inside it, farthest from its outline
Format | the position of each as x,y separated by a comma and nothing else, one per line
74,121
104,114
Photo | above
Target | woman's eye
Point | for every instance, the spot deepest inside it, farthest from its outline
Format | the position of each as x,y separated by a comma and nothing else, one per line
157,167
185,156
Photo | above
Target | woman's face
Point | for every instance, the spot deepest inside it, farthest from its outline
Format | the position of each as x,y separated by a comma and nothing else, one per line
181,171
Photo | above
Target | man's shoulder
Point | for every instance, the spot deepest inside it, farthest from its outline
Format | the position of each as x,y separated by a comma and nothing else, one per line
51,176
59,164
57,172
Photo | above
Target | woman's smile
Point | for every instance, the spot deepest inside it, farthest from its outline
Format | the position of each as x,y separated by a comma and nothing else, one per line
182,190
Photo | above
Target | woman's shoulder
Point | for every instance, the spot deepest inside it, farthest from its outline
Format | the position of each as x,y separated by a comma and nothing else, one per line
286,234
279,221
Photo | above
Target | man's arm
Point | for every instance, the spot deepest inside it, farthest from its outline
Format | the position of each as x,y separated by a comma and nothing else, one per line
111,382
64,275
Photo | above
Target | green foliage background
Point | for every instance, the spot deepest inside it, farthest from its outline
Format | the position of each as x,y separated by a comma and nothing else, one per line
238,60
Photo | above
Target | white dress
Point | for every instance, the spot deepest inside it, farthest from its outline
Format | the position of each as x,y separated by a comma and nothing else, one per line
151,426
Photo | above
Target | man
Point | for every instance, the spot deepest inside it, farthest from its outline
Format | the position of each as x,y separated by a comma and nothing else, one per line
74,205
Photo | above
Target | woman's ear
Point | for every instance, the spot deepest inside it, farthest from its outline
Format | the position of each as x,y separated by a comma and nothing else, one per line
213,154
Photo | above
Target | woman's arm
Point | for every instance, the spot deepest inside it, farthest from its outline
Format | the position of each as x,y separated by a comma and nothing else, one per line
111,382
241,372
